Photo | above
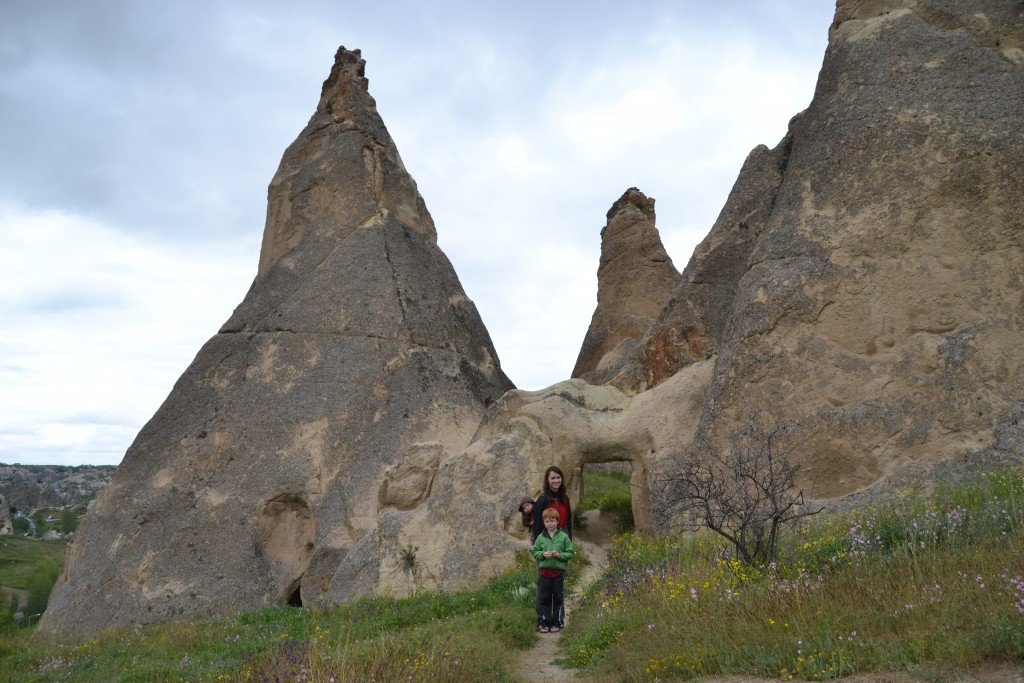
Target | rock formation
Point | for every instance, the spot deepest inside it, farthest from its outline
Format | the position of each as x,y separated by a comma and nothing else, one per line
28,487
6,527
864,281
355,354
865,276
634,281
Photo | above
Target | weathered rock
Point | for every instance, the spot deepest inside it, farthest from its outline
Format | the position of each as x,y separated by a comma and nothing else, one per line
634,281
6,527
474,493
28,487
263,473
866,279
691,326
879,300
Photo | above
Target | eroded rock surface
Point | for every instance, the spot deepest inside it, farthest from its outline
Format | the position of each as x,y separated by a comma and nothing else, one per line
869,283
6,527
634,280
261,471
570,424
865,279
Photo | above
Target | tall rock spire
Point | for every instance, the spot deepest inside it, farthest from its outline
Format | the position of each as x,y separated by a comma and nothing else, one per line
634,280
342,172
869,273
355,354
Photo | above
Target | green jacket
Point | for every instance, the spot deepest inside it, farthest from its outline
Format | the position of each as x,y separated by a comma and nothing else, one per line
560,542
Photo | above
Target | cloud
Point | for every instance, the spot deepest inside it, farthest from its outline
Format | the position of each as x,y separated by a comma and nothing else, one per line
139,140
98,325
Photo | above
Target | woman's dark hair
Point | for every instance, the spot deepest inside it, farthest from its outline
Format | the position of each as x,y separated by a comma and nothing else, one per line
547,486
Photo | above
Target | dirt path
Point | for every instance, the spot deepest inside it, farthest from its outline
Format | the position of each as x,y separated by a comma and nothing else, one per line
538,664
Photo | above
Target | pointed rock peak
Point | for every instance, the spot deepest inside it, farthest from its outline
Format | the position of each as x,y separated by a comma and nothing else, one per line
347,87
355,359
634,279
632,200
342,172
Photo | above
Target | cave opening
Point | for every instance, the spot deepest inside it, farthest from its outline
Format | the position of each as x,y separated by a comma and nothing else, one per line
606,496
295,599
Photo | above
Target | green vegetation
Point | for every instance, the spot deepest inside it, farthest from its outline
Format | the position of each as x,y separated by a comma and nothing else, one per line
21,558
21,525
929,584
921,584
40,584
610,493
50,519
437,636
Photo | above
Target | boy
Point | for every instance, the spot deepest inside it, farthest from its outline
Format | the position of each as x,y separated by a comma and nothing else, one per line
552,550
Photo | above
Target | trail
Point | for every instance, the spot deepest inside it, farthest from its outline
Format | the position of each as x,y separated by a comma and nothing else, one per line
538,663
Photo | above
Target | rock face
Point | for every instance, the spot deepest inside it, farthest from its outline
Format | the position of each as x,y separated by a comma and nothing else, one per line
865,281
634,280
354,358
28,487
570,424
866,277
692,325
6,527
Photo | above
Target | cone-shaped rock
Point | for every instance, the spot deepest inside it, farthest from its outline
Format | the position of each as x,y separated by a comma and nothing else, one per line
353,354
870,284
634,280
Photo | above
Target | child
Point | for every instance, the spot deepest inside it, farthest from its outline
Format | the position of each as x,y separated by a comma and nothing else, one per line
526,510
552,550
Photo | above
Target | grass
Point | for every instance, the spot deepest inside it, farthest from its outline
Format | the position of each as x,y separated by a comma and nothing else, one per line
436,635
610,493
930,585
20,556
923,584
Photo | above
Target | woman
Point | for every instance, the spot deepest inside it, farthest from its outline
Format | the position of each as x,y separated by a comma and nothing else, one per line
553,496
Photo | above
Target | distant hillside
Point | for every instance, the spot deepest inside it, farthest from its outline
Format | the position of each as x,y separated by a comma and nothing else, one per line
28,487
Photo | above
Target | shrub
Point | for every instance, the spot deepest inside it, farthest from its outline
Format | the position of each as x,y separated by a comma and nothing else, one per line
745,495
918,584
21,525
68,521
40,585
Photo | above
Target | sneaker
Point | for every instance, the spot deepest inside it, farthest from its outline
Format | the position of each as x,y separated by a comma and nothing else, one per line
544,629
554,629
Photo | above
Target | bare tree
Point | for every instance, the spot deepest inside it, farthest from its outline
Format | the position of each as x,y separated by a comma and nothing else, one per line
746,494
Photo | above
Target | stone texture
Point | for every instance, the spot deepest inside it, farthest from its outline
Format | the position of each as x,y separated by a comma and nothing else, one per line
634,280
474,493
6,527
27,487
879,298
260,474
863,279
692,324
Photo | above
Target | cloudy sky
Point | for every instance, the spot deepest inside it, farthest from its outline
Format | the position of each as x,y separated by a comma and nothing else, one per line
137,141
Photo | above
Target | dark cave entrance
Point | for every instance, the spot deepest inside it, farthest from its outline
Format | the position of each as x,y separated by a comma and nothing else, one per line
295,599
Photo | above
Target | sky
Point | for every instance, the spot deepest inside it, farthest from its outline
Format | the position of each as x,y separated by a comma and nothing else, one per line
137,141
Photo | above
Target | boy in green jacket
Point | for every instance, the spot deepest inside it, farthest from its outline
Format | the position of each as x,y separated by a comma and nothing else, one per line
552,550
